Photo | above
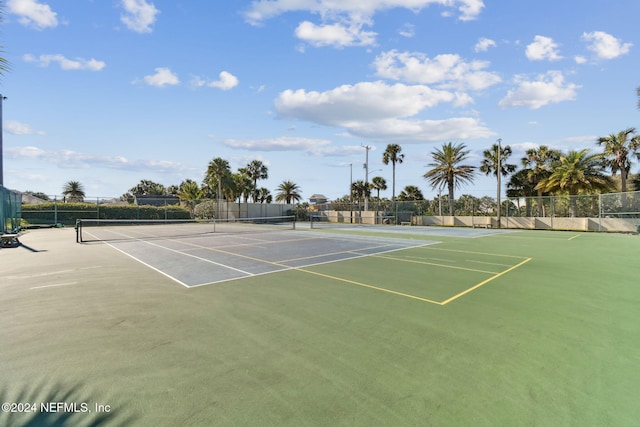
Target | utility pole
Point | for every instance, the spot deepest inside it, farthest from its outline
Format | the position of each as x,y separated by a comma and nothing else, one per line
499,173
366,177
2,98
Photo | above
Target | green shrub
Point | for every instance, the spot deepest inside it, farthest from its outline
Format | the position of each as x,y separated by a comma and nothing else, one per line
68,213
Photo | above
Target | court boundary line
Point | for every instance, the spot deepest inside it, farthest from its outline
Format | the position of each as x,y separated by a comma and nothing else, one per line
304,269
484,282
246,274
428,246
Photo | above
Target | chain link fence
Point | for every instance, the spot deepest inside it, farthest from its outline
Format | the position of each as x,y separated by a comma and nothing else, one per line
599,212
59,211
10,210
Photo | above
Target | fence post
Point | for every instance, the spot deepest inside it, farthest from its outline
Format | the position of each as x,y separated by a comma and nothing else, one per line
599,212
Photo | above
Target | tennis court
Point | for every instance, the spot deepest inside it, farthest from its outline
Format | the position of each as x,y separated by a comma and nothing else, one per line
370,326
198,254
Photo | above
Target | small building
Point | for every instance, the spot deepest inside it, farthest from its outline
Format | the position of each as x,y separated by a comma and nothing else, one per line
318,199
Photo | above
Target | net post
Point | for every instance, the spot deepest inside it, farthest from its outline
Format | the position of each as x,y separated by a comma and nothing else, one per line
78,230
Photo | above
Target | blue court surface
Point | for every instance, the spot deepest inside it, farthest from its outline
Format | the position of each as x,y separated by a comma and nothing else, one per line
207,259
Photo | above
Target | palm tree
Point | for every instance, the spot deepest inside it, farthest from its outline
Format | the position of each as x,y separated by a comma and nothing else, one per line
538,163
264,195
218,172
577,172
73,191
411,193
148,187
618,152
243,184
392,154
360,190
288,191
520,186
495,163
189,192
256,170
379,183
447,171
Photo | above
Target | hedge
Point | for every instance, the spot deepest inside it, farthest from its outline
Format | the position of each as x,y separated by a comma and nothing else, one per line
68,213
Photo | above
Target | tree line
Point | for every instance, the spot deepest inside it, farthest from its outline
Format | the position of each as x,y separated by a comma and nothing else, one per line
543,171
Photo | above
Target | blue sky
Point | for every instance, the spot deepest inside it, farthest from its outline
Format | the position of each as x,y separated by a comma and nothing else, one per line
110,92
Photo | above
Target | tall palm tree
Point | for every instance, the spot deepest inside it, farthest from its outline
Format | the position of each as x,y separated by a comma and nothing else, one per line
256,170
73,191
379,183
538,163
619,149
243,184
392,154
446,169
495,163
288,191
218,172
577,172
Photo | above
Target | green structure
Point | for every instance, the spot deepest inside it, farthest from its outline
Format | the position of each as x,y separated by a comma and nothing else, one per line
10,210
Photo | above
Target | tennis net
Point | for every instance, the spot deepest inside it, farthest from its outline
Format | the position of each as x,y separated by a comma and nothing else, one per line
92,230
350,220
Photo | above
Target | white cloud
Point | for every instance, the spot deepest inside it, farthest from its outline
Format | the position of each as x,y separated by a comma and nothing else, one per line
226,81
261,10
342,21
447,71
366,101
336,35
407,30
163,77
33,14
138,15
72,159
605,46
579,59
310,145
549,88
17,128
378,111
484,44
65,63
543,48
457,128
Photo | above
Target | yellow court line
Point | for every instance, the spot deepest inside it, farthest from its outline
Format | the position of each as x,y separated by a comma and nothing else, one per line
435,264
455,297
470,252
340,279
571,238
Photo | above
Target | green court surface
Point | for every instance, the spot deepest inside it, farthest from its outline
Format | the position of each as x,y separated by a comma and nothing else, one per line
528,328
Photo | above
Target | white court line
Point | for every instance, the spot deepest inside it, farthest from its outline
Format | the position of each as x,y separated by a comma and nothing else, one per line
54,286
489,263
51,273
384,241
